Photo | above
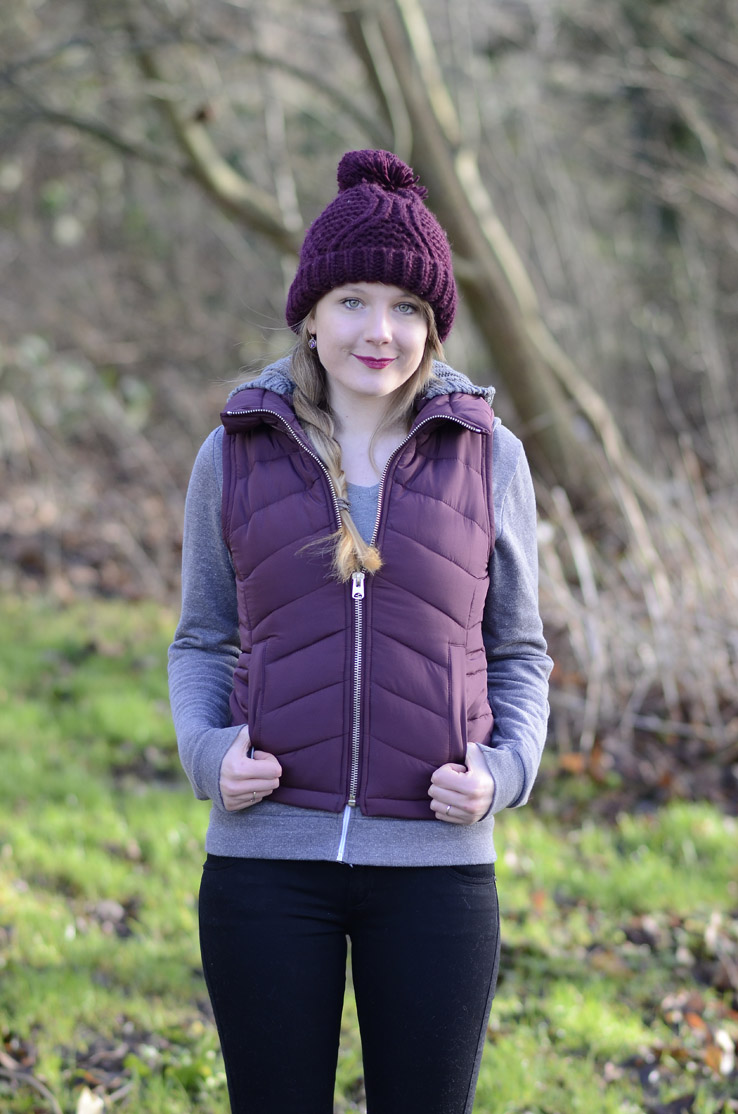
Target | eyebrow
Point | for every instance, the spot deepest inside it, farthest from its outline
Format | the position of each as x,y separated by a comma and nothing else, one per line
407,296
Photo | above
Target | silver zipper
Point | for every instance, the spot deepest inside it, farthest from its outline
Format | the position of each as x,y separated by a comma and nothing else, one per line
357,595
344,835
393,454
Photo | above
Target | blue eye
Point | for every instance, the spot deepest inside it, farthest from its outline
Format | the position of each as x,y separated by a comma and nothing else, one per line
407,308
351,303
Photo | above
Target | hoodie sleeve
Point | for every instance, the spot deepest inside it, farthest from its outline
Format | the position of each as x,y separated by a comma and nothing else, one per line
206,644
518,666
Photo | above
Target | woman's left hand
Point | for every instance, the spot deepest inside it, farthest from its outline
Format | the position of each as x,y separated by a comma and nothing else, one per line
462,794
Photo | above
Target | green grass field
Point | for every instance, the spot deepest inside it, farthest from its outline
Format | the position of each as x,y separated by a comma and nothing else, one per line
619,983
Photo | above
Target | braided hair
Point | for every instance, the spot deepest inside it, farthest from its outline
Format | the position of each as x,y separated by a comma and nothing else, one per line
350,553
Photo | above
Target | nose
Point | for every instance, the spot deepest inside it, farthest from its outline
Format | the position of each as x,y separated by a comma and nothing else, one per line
378,326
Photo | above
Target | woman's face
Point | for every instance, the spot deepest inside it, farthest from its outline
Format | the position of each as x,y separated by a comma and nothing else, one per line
370,338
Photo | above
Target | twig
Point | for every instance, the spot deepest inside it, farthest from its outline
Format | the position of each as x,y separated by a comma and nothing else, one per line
684,730
26,1077
590,596
116,1096
36,110
731,968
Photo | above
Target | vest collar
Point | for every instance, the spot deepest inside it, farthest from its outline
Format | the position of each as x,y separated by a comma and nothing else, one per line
450,394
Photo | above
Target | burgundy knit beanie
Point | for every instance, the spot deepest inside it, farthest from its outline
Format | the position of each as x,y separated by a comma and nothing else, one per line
376,230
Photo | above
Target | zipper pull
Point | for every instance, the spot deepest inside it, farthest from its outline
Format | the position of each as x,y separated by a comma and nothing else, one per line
357,588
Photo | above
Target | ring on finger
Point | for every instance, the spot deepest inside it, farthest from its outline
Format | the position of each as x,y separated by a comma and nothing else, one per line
253,796
448,809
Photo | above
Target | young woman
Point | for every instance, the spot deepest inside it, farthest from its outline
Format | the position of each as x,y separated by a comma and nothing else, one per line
359,676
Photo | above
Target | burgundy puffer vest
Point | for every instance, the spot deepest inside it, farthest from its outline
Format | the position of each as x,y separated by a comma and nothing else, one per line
362,689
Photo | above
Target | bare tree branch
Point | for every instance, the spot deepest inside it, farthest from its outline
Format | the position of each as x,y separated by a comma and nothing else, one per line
546,387
231,191
375,130
366,39
369,123
35,111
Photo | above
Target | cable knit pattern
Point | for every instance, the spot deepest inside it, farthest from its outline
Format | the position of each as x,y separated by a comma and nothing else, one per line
377,229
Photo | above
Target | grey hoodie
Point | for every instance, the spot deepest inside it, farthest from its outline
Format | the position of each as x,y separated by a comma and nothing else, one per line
206,647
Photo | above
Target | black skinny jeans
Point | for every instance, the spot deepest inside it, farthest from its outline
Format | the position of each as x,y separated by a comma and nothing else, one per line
424,956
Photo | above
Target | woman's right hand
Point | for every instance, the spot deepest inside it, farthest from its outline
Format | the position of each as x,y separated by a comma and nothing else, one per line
245,781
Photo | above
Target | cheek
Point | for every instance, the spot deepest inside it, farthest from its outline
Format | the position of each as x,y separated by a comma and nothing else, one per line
419,337
335,334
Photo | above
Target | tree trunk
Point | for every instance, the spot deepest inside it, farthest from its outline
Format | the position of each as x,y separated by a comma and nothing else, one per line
546,388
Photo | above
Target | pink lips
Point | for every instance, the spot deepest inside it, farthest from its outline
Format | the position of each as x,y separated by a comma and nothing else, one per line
375,365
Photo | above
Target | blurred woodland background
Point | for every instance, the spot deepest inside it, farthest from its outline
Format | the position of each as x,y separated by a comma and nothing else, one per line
159,162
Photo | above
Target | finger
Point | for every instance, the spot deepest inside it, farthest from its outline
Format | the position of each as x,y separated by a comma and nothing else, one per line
459,806
247,777
445,797
237,802
242,787
475,760
253,798
449,814
467,806
453,791
266,769
448,776
243,738
480,782
265,756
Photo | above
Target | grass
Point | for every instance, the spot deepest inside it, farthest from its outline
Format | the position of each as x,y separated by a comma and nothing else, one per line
618,984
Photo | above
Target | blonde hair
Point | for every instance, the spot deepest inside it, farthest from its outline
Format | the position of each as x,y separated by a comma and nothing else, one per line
350,553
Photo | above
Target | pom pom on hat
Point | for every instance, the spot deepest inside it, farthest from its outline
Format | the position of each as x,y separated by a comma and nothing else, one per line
376,230
380,168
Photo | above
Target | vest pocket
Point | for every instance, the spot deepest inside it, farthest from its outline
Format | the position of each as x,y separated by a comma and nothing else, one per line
257,677
457,703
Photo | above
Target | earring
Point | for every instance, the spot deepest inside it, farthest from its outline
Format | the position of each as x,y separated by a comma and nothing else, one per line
312,344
